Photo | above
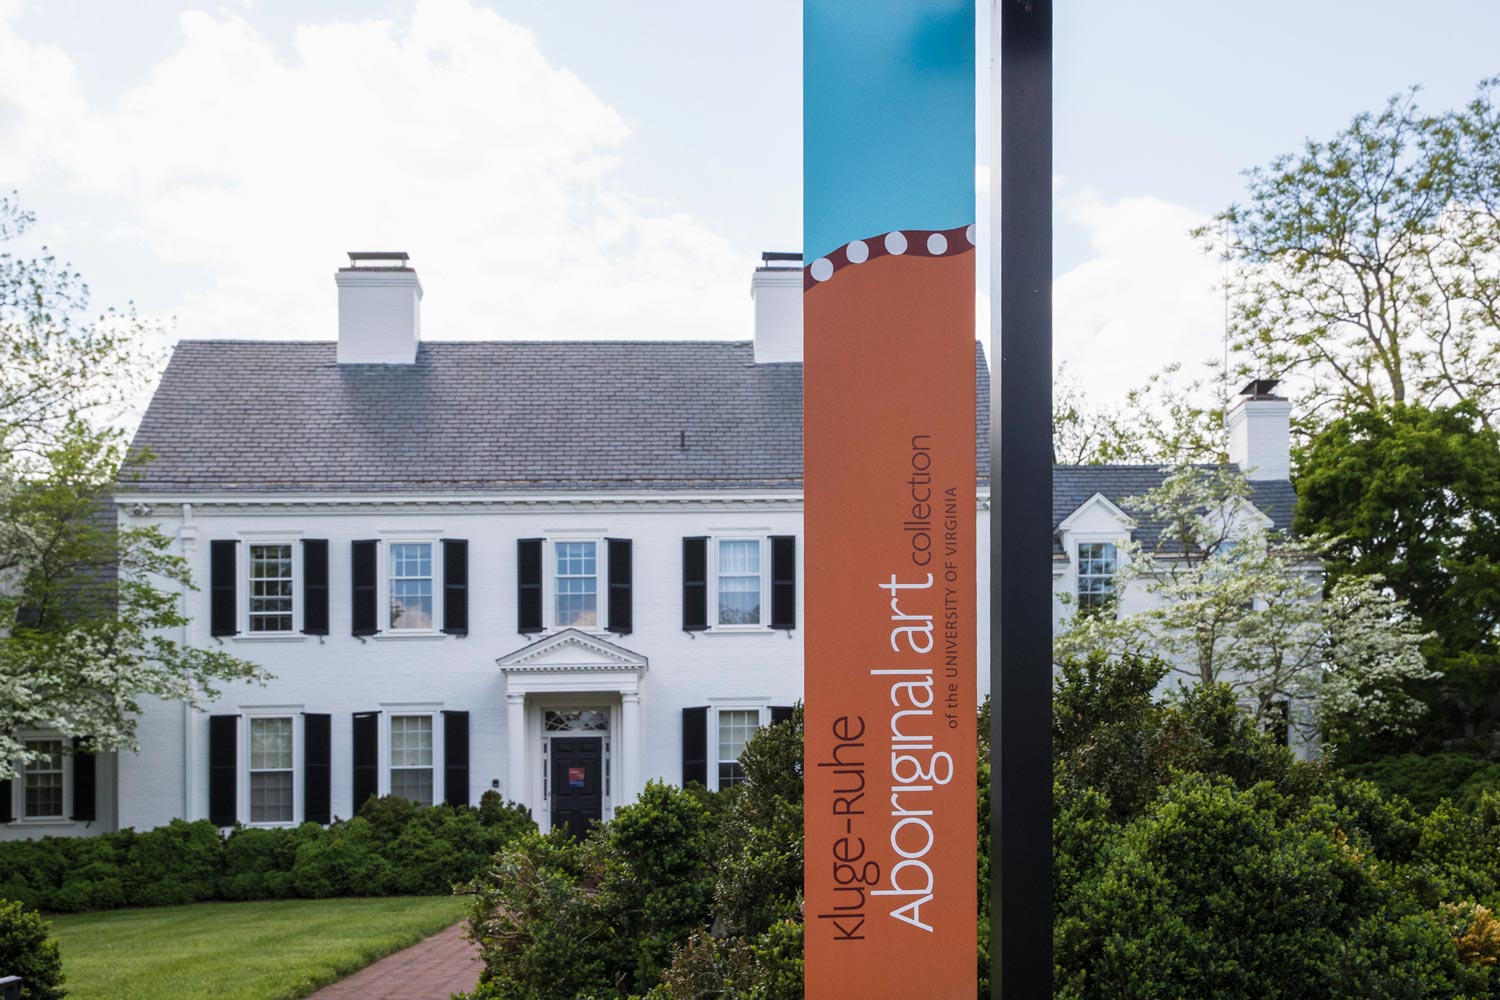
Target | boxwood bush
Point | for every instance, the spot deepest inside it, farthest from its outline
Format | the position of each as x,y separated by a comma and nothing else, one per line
391,846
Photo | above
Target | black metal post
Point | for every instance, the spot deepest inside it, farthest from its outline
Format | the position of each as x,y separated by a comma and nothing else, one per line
1021,541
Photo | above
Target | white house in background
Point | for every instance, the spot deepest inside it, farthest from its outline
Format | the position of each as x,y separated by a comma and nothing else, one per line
555,569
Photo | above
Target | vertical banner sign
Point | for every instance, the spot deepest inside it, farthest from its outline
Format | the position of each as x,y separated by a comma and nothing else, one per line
889,459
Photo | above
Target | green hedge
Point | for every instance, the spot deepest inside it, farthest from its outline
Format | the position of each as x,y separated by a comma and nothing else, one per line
391,847
1425,780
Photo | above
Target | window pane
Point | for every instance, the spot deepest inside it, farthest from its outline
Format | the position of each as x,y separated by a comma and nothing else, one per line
411,741
411,585
576,595
739,582
1096,571
271,796
44,781
735,729
414,784
270,588
270,744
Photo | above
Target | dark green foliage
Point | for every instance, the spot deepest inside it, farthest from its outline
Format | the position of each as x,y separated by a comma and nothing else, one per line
392,847
1425,780
602,916
1231,870
684,894
27,950
760,848
1413,494
508,819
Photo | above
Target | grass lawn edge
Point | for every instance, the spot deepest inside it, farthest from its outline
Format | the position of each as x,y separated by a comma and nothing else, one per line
367,958
298,978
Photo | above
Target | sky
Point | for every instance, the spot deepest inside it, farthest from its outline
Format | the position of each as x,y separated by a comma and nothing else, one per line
592,169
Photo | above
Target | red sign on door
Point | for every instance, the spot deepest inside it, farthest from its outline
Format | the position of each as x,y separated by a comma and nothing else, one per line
575,777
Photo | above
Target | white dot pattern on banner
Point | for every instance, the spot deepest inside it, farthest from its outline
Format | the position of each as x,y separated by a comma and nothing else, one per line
822,269
971,234
858,252
937,244
895,242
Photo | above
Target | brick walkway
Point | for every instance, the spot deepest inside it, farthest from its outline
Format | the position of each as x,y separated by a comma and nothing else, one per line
428,970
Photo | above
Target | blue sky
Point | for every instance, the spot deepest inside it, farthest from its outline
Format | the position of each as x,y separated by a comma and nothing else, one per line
589,168
888,119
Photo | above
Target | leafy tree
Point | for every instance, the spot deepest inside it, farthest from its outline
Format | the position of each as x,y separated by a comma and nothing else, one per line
1414,494
1162,422
1367,262
1234,603
87,610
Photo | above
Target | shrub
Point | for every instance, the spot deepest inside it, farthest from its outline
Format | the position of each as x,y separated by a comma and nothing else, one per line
177,863
28,951
345,861
1425,780
507,820
431,849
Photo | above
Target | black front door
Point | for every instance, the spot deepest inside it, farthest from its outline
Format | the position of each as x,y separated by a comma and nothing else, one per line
577,783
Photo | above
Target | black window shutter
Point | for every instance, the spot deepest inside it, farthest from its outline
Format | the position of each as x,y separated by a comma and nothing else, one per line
528,585
621,611
694,584
366,756
85,783
223,768
221,581
315,586
783,581
363,562
455,586
456,758
317,768
7,804
781,713
695,745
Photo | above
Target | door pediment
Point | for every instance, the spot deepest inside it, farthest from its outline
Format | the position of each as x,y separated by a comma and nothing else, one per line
572,651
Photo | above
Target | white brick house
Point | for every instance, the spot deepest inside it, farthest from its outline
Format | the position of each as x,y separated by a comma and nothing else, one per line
556,569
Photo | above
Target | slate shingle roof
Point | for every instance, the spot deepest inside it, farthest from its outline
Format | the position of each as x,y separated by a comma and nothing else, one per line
1073,485
254,416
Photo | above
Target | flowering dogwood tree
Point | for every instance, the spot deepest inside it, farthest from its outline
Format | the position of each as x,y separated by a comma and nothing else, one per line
88,610
1235,603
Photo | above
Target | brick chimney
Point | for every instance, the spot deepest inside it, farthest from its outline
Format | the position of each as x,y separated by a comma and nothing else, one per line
776,288
380,309
1260,432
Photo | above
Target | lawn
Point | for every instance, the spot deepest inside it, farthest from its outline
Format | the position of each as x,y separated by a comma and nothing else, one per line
238,951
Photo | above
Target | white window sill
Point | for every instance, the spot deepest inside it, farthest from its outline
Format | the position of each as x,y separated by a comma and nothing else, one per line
406,635
742,630
46,821
270,637
289,824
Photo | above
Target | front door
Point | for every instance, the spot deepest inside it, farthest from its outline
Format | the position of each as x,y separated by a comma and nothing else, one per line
577,782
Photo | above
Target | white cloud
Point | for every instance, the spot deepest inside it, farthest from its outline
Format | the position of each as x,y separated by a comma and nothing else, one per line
446,134
1144,298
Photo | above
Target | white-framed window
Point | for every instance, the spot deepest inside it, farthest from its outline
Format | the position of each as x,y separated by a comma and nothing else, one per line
410,582
739,582
734,728
575,583
43,780
270,602
411,757
1097,562
272,778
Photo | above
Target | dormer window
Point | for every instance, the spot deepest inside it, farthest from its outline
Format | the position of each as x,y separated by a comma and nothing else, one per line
1096,577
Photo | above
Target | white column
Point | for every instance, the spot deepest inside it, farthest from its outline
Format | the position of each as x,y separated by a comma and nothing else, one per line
516,786
630,747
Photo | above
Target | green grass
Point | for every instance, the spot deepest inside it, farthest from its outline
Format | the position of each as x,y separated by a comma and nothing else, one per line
278,950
